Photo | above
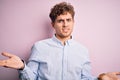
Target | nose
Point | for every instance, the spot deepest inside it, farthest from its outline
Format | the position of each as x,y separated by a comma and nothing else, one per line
65,24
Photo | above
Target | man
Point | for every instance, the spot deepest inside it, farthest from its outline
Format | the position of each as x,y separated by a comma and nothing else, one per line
59,57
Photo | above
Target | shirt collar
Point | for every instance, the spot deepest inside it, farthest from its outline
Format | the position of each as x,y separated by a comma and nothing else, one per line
68,42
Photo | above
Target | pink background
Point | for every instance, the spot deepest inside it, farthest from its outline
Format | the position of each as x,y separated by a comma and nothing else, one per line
97,26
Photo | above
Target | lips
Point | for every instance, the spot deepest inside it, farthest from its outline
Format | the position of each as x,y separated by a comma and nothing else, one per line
66,30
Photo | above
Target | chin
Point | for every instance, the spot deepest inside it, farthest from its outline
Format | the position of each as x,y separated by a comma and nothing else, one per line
65,36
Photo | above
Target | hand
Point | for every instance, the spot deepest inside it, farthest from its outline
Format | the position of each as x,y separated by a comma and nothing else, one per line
13,61
109,76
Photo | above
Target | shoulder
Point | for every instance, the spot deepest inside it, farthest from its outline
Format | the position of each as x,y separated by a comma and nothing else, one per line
78,44
41,43
80,48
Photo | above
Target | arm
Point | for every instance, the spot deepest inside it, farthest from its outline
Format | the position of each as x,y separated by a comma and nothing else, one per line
26,72
86,72
86,68
30,72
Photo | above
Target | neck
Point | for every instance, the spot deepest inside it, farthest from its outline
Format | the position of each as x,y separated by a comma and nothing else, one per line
63,39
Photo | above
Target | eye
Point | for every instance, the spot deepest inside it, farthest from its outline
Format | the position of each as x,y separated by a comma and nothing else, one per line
60,21
69,20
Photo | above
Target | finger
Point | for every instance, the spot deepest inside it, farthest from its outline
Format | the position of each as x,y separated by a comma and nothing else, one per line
117,73
7,54
114,73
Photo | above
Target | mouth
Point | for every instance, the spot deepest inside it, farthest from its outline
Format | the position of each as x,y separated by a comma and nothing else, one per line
65,30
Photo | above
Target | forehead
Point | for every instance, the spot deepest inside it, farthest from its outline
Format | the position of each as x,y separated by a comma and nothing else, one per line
64,16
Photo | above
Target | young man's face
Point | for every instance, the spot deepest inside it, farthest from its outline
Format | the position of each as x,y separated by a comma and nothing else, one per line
63,25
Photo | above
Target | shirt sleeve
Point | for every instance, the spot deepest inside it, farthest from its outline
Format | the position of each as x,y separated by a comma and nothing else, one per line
30,70
86,72
86,68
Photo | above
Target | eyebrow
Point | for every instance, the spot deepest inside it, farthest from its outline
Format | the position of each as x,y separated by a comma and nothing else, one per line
63,19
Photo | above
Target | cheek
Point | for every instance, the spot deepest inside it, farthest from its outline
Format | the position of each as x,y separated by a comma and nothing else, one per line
71,28
57,29
71,25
